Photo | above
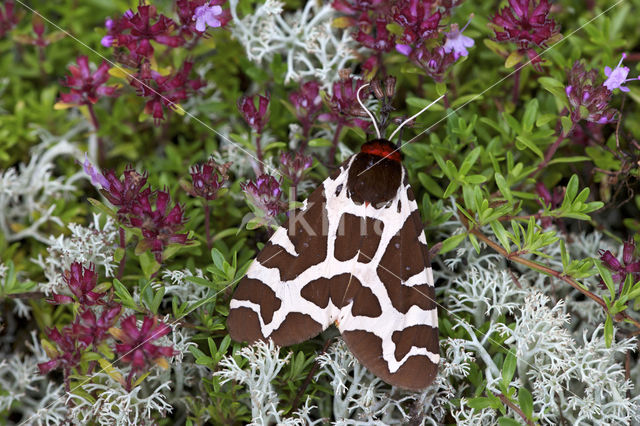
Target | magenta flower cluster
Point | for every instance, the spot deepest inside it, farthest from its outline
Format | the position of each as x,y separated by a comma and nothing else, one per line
588,99
526,23
159,220
419,32
86,87
134,34
630,264
265,194
94,325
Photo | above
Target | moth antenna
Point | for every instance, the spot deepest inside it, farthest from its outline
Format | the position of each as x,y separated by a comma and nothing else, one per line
412,117
373,120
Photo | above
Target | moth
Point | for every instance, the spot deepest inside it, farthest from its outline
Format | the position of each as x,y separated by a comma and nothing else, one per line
354,255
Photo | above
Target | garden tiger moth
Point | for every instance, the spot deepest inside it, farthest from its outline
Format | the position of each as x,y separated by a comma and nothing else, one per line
354,255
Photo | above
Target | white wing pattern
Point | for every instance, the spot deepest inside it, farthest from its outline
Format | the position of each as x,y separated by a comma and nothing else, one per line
362,268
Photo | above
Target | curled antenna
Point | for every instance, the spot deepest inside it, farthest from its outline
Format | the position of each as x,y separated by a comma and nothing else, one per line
412,117
373,120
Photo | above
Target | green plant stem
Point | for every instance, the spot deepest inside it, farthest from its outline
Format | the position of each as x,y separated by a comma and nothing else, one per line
334,144
307,381
506,401
96,127
621,316
123,246
259,153
207,230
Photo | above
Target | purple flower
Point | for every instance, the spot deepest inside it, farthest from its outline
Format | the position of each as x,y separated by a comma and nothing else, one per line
136,31
265,194
125,193
456,42
344,104
136,347
255,118
97,179
405,49
69,348
526,23
86,87
307,102
207,15
207,179
293,165
8,19
164,91
588,100
434,62
96,329
618,76
160,226
629,265
81,281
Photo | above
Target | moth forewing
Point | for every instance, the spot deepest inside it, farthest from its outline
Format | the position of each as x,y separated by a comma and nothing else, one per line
355,255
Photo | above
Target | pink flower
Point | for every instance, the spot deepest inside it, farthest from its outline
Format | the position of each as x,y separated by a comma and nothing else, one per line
293,165
255,118
136,347
160,226
97,179
86,87
8,19
207,179
629,265
125,193
456,42
81,281
265,194
344,104
307,102
164,91
588,100
527,23
618,76
207,15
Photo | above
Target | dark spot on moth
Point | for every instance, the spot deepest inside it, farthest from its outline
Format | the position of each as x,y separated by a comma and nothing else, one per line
404,257
260,294
415,374
338,190
244,325
421,336
296,328
357,233
342,289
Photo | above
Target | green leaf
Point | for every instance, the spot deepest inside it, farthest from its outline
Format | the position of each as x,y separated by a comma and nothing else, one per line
123,294
509,368
480,403
608,331
218,258
452,242
148,264
567,125
430,185
508,421
607,278
503,186
523,141
501,234
525,400
530,114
